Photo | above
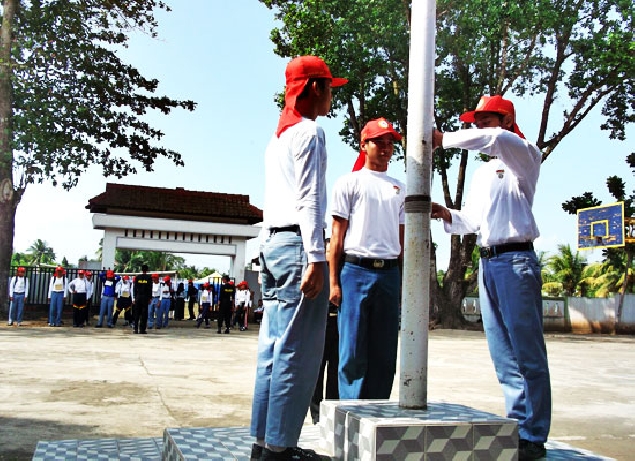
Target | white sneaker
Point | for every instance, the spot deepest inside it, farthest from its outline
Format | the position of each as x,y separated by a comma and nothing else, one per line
9,323
19,324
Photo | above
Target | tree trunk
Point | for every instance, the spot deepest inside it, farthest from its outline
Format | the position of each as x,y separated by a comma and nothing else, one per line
449,298
8,199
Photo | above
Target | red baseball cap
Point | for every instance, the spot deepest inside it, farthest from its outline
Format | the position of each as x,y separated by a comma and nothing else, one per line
297,74
494,104
21,270
379,127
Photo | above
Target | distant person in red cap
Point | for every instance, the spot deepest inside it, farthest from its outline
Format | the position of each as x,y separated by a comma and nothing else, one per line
154,308
365,253
90,287
166,300
108,294
498,208
207,299
57,292
124,292
293,264
79,292
18,293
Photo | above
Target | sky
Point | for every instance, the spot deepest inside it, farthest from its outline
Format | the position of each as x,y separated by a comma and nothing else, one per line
219,54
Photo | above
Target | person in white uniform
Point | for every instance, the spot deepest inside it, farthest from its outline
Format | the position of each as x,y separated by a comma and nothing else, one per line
365,278
498,208
293,264
18,293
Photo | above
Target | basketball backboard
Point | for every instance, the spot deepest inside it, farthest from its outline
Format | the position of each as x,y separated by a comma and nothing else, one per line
601,226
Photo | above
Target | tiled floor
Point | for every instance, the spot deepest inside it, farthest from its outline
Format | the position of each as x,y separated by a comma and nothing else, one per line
232,443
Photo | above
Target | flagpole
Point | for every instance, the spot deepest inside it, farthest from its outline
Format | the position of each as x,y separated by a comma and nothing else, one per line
415,306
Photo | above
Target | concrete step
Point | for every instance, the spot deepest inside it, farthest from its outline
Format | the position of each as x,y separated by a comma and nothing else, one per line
182,444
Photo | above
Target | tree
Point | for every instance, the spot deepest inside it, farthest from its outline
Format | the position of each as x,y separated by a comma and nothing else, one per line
566,272
40,253
132,261
576,53
67,101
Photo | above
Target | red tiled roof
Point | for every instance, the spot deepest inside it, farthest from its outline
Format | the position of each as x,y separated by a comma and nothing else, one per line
175,203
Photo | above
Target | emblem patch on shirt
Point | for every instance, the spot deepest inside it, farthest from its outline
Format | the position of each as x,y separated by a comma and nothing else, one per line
397,189
500,173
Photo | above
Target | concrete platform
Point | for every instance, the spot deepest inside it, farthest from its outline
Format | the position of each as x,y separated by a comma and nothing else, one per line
233,443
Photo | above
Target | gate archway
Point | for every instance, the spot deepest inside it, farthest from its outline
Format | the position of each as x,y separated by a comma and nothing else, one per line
175,220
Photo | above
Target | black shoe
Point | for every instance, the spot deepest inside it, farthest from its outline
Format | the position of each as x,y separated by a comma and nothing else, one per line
530,450
291,453
226,331
136,332
218,331
143,332
256,452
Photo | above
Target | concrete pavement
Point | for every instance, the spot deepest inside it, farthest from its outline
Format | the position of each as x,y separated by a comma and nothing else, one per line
72,383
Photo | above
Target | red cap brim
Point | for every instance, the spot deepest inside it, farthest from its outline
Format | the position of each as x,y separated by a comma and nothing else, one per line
337,81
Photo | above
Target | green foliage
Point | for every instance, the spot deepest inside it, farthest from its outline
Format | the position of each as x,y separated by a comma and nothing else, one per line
75,103
564,272
40,253
132,261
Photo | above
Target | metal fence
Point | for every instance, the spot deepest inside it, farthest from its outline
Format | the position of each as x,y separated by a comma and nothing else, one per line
40,278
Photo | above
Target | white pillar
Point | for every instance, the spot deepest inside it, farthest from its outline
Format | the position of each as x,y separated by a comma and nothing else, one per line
108,247
237,262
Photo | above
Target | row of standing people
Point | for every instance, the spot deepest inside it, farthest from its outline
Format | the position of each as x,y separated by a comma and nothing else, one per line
234,302
118,297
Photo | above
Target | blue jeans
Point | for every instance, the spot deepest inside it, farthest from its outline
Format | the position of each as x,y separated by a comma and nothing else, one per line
290,342
55,308
16,309
106,307
368,324
154,308
164,312
511,307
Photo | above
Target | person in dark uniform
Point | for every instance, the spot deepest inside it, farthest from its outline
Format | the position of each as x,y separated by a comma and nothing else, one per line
143,295
226,297
179,311
192,294
330,360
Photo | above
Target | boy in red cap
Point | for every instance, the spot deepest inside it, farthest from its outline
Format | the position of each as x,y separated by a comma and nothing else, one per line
79,293
498,208
108,294
18,292
293,264
56,295
365,255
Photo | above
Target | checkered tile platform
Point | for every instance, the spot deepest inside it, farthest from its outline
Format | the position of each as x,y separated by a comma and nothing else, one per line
381,430
137,449
234,443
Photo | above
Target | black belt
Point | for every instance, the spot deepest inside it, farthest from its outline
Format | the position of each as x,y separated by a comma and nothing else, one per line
489,252
18,292
295,228
372,263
